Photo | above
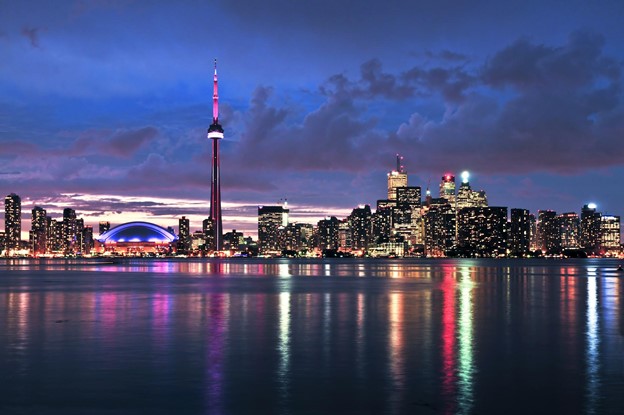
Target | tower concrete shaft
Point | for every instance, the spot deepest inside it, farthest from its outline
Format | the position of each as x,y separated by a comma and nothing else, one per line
215,133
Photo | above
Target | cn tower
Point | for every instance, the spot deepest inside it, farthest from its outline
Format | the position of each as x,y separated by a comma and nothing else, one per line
215,133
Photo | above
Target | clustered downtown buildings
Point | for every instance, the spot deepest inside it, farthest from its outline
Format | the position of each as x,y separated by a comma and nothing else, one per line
459,222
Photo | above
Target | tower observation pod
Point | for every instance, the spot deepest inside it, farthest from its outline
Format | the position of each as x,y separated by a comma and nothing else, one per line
215,133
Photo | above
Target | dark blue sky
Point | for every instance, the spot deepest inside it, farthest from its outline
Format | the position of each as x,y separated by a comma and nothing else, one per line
101,100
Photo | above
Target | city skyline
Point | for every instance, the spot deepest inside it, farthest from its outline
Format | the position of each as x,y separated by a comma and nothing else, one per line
111,117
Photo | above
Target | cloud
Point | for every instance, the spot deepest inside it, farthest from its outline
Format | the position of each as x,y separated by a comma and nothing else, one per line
32,34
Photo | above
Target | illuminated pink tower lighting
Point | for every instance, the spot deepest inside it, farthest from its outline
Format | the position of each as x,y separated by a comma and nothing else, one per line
215,133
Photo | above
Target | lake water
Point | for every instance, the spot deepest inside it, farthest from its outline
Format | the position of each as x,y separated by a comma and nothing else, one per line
344,336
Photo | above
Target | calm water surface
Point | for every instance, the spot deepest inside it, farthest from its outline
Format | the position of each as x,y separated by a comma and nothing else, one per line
312,337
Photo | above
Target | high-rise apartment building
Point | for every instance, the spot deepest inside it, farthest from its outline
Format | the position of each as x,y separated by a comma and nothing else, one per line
569,226
12,221
610,242
519,232
184,235
548,232
69,231
38,231
590,229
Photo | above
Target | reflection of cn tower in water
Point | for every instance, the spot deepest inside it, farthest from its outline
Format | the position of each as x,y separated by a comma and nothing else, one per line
215,133
218,305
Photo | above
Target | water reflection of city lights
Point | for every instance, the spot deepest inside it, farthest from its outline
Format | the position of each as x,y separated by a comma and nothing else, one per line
466,352
283,374
592,341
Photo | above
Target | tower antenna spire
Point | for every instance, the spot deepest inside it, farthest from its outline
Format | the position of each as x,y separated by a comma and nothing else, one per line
215,97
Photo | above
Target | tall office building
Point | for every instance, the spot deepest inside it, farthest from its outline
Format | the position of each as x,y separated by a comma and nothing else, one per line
184,235
396,178
482,231
569,226
548,232
590,229
466,197
519,232
271,221
38,231
447,189
361,227
610,242
215,133
12,221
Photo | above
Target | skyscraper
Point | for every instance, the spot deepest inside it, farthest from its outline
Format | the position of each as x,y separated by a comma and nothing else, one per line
271,221
590,229
569,225
481,231
466,197
609,234
520,232
215,133
12,221
184,233
360,223
69,230
38,230
447,188
396,178
548,232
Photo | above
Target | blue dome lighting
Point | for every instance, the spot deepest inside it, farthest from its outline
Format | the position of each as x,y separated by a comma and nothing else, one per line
138,232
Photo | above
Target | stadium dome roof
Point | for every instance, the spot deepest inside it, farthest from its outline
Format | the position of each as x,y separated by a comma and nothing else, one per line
138,232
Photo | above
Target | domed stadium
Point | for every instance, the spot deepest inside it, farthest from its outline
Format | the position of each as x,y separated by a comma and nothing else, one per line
136,238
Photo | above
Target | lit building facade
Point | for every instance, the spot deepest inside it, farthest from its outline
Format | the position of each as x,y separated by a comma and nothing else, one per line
271,221
590,229
440,229
12,221
360,222
328,233
396,178
482,231
569,225
548,232
610,243
185,243
519,232
38,231
466,197
447,189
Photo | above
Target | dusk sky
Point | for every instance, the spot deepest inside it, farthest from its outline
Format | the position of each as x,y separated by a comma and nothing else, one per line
104,105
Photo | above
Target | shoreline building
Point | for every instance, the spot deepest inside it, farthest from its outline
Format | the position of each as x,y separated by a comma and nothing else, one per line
215,133
136,238
272,220
12,221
